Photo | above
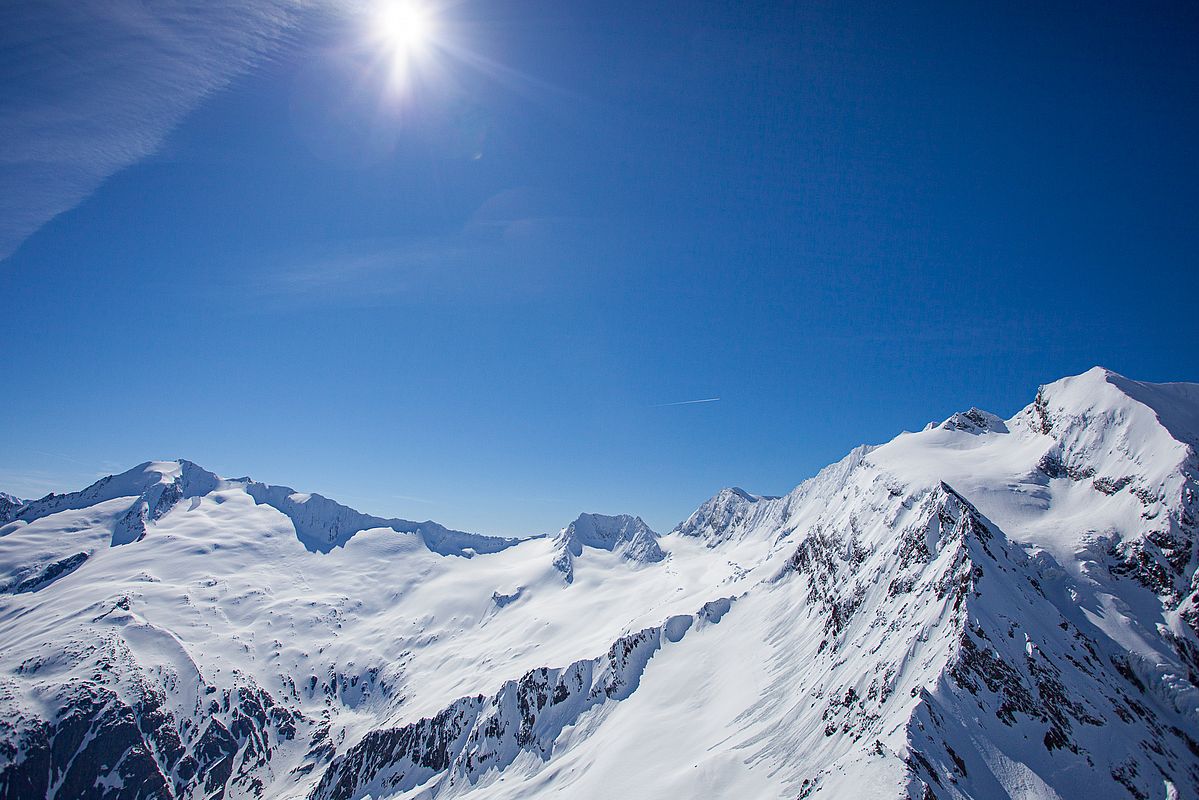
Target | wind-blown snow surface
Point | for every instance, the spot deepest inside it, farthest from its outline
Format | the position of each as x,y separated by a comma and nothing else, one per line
988,608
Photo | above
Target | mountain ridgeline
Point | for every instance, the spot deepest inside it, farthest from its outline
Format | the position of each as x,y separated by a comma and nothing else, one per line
987,608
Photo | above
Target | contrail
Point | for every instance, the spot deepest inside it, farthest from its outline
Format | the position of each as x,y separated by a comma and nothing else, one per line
685,402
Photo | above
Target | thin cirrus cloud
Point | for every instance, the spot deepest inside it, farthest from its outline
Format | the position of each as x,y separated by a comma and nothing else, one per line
515,244
91,87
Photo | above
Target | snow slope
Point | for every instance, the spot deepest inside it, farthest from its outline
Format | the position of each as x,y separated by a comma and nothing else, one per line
987,608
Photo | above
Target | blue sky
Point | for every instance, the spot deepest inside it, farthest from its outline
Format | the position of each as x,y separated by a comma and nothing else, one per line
231,233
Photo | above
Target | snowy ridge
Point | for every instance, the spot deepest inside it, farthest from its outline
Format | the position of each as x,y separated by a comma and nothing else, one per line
157,485
322,524
734,514
985,609
475,734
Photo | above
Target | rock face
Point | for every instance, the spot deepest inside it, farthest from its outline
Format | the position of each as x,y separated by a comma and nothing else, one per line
9,505
100,746
986,609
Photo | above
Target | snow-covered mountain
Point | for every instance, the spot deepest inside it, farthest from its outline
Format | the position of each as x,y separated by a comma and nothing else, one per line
987,608
628,537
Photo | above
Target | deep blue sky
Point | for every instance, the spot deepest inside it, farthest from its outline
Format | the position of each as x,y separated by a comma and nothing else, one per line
468,301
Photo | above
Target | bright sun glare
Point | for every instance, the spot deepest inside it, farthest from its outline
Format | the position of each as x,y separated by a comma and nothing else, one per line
404,25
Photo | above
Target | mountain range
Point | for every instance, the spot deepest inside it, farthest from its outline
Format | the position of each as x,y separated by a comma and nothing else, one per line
987,608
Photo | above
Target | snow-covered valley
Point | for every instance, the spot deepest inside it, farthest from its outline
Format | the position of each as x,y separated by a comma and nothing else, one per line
987,608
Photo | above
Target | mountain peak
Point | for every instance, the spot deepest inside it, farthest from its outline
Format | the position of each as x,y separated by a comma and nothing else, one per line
158,485
1100,402
975,421
626,535
720,515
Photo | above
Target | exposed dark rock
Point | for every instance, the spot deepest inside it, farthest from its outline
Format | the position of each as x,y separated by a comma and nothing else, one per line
45,576
475,733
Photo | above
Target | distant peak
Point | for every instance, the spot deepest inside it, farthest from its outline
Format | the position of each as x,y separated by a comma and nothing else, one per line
624,534
321,523
605,518
724,510
601,530
149,473
974,421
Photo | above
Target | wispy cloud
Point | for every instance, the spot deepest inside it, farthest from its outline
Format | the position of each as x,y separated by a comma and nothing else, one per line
409,498
64,458
28,484
513,245
92,87
686,402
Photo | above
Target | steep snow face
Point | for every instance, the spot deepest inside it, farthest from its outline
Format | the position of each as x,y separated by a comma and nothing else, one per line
986,609
476,736
625,536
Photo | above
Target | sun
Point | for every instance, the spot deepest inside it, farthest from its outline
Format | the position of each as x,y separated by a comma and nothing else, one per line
404,26
405,46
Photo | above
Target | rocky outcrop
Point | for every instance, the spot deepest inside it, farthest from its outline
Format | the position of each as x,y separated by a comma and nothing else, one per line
10,505
42,575
974,421
102,745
